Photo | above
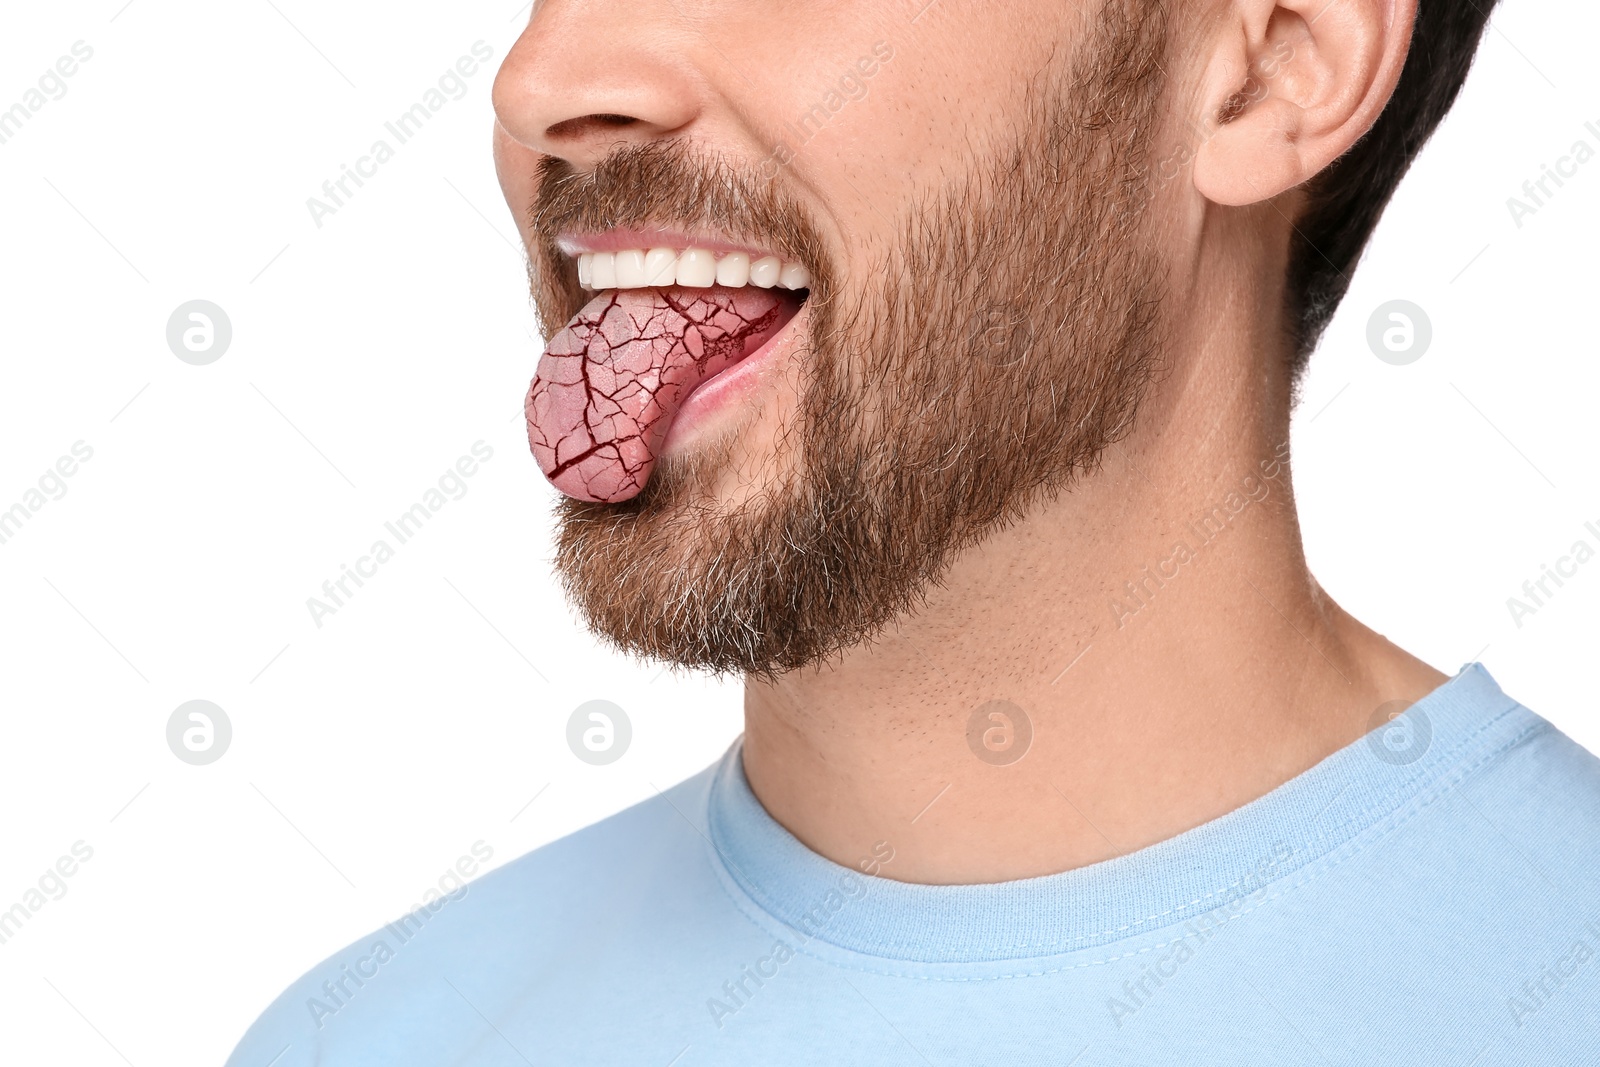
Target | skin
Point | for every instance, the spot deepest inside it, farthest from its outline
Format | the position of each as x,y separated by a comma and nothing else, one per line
1237,672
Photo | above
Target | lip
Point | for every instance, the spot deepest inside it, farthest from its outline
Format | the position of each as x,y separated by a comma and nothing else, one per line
574,244
714,400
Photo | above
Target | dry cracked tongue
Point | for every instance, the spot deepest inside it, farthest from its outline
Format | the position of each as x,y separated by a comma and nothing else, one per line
610,383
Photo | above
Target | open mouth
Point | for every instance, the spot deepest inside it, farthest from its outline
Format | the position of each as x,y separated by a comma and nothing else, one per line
666,321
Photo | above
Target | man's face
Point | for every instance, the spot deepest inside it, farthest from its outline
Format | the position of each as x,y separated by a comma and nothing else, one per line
965,186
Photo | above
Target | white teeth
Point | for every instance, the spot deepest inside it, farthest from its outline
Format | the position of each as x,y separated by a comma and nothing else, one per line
603,270
733,269
765,271
630,269
661,266
695,268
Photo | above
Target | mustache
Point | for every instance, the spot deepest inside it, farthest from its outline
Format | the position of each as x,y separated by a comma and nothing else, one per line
670,185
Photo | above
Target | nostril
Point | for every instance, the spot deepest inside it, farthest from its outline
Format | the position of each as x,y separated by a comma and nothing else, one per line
570,128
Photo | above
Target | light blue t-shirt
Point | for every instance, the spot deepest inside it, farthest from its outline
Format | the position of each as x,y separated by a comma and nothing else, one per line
1428,895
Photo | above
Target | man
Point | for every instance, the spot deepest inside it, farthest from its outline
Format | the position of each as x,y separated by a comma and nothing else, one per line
930,366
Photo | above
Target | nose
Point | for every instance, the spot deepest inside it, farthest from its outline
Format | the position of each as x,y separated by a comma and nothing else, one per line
586,76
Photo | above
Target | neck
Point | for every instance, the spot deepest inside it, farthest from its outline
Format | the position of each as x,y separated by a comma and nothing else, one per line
1155,630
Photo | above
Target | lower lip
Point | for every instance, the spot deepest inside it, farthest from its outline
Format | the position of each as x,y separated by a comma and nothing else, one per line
715,400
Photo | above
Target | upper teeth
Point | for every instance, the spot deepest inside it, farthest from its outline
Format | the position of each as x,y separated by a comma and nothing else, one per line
639,268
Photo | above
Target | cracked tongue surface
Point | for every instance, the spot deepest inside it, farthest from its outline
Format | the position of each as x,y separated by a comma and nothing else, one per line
609,384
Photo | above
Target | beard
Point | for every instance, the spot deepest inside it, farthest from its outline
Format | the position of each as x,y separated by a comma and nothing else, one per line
1004,343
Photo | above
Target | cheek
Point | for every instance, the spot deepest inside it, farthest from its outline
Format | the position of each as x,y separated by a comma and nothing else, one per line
516,166
767,447
942,97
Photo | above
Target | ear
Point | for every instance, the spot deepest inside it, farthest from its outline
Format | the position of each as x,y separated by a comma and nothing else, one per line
1295,83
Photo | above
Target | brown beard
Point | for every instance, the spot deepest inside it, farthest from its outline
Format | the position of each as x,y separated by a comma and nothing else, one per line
1002,345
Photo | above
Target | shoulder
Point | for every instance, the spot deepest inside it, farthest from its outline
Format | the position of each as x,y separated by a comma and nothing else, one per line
1544,783
1516,813
380,999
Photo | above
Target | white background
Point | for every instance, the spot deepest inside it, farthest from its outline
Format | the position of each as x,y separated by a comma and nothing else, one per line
372,352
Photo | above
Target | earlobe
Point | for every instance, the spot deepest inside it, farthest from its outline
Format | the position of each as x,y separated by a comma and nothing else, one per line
1292,84
1253,159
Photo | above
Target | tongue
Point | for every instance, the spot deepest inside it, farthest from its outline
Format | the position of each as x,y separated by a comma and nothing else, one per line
610,383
